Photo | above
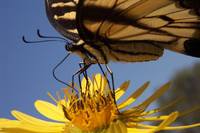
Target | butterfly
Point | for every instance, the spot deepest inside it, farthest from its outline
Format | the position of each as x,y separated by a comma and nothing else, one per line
126,30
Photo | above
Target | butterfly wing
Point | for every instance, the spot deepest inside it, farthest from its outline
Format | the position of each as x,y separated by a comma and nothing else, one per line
61,14
141,27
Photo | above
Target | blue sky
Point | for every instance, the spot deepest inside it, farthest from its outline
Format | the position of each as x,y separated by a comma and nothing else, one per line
25,70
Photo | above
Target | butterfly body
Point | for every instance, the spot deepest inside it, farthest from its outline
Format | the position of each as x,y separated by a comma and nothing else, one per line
125,30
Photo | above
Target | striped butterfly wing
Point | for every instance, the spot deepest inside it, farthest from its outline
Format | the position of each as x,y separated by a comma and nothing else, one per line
139,30
62,14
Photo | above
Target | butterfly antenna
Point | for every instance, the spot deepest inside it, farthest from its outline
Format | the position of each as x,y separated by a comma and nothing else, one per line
24,39
112,77
50,37
42,41
54,75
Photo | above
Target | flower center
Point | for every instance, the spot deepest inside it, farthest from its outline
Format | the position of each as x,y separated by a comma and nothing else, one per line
91,112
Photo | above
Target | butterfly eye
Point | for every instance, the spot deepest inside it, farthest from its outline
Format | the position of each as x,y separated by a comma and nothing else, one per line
70,47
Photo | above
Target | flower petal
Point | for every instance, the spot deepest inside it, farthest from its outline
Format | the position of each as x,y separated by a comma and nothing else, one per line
99,83
167,106
143,119
14,126
50,111
172,117
153,97
135,130
6,123
121,90
121,126
22,117
86,84
110,128
15,130
28,129
169,128
134,96
192,109
116,127
182,127
152,129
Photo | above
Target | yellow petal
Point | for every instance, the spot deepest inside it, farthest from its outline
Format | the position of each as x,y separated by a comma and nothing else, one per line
99,83
121,90
182,127
120,126
172,117
6,123
155,96
27,130
143,119
72,129
86,85
16,126
166,128
167,106
110,128
192,109
141,126
134,96
135,130
32,120
116,127
50,111
152,129
15,130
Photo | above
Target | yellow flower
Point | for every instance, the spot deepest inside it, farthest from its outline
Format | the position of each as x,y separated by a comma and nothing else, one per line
95,110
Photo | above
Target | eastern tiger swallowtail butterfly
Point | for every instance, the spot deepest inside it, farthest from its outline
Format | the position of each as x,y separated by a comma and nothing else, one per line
127,30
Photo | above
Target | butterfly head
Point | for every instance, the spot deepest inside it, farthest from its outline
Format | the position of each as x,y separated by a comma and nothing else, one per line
71,47
79,50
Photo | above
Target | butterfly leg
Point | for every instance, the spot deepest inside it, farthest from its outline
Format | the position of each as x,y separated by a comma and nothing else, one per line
85,74
79,72
82,65
113,84
112,77
79,75
54,73
104,74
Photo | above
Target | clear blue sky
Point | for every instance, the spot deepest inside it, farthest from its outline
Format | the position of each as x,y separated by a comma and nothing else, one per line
25,71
